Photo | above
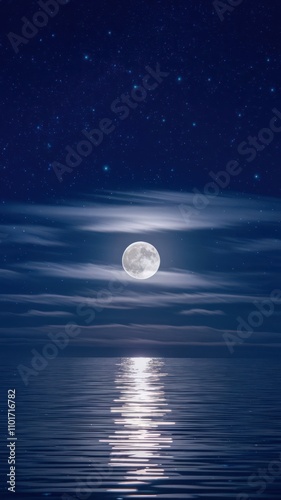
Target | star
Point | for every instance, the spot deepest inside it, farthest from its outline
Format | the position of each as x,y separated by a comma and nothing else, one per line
106,168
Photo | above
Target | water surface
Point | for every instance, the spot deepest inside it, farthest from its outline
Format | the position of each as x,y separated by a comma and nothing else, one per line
148,428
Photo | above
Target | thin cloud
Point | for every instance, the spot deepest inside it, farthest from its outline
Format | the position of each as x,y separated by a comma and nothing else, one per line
201,300
202,312
155,211
31,234
119,334
127,300
177,278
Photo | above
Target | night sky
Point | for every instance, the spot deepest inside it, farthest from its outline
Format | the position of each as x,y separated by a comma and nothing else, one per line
180,95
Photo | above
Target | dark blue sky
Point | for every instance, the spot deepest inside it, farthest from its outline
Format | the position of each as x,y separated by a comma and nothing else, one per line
175,95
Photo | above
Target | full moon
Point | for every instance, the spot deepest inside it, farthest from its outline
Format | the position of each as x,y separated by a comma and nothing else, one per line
141,260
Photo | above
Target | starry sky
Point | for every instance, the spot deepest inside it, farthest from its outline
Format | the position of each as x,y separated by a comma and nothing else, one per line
212,103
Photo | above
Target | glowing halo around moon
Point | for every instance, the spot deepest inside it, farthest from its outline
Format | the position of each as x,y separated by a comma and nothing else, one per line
141,260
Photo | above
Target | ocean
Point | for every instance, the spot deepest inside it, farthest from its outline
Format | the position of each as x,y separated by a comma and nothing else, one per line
141,428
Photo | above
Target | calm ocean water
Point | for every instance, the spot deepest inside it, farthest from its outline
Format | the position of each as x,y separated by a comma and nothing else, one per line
146,428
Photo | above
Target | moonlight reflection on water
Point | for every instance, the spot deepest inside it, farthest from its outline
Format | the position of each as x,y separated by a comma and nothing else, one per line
141,438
